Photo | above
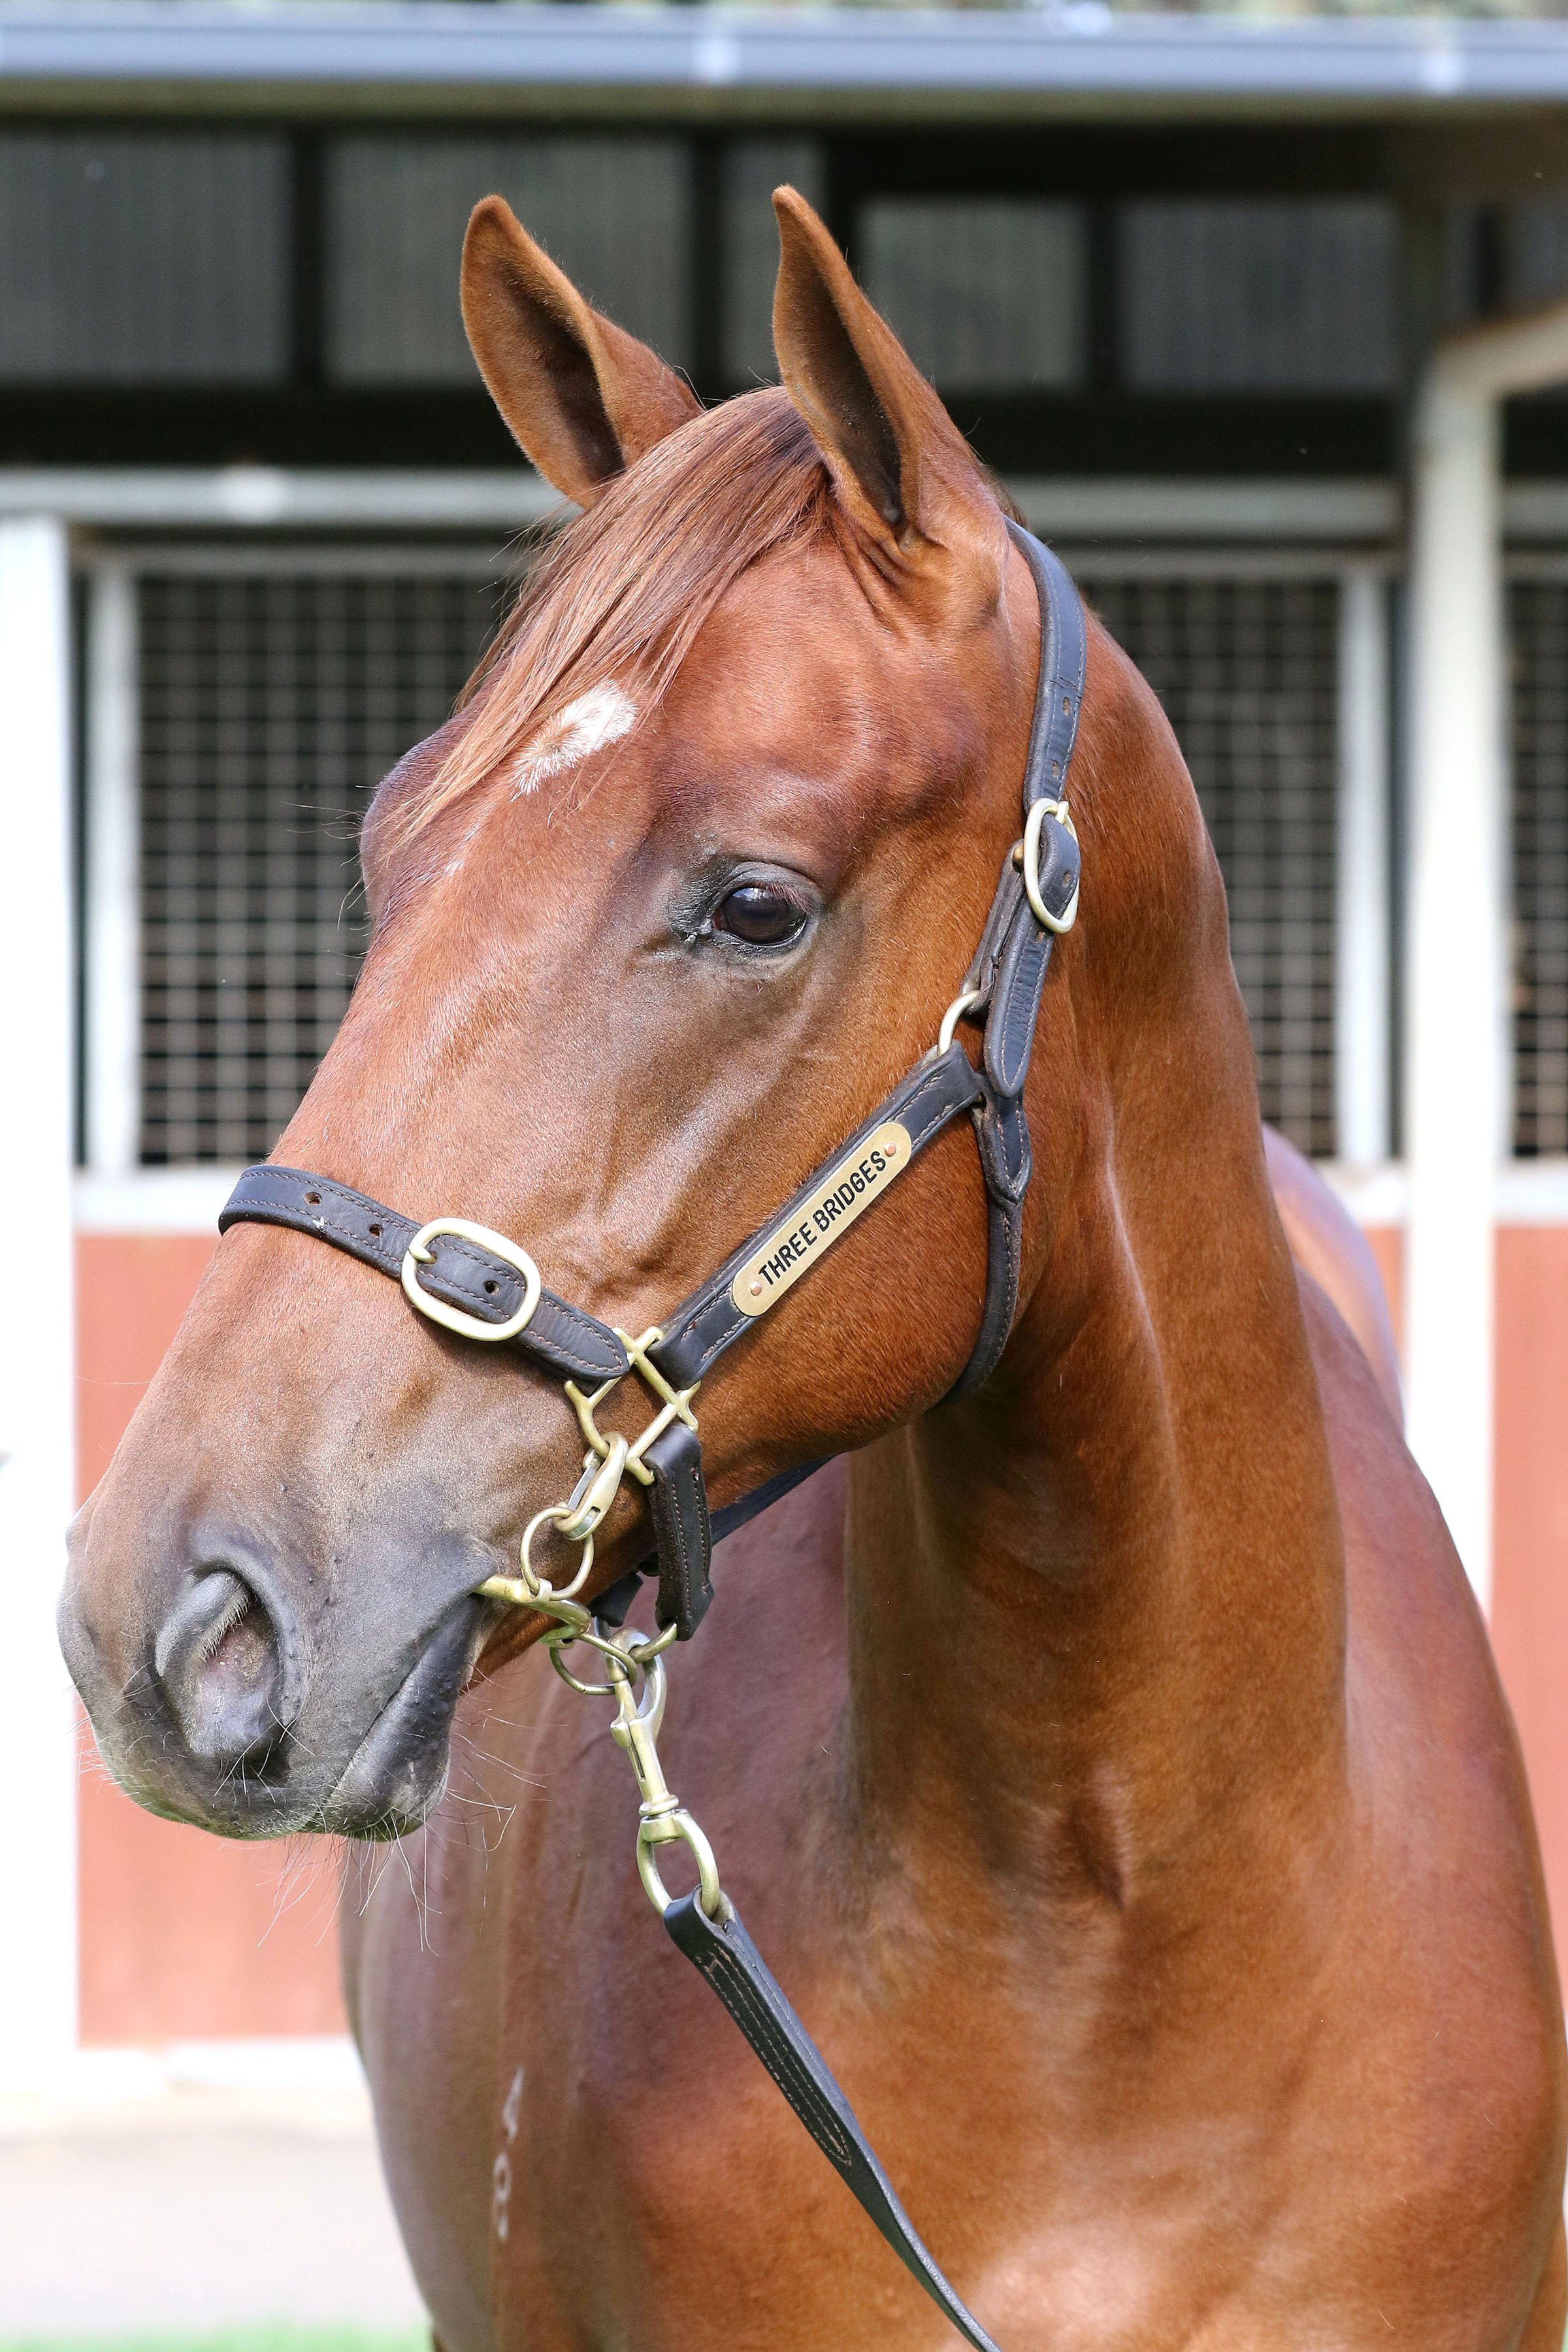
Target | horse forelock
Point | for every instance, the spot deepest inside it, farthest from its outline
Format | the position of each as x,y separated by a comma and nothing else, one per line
611,609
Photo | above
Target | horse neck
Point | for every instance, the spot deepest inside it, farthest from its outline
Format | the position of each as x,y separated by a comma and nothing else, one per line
1096,1614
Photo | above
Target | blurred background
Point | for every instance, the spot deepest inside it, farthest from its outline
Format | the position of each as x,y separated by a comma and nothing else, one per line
1191,282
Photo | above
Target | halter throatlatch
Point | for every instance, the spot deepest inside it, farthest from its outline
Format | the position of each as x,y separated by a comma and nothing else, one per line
480,1285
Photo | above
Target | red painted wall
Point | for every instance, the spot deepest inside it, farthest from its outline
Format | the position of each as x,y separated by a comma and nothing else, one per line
183,1934
1530,1520
1530,1515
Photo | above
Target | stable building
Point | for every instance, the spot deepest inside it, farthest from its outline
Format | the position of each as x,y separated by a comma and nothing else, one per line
1190,285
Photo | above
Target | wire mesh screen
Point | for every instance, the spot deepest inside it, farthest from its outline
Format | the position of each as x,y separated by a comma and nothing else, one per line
270,707
1247,671
1537,618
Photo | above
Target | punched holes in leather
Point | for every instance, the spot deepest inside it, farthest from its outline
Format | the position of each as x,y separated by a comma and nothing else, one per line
573,1344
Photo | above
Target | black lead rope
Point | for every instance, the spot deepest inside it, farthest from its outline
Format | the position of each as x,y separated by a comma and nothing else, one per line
724,1954
481,1285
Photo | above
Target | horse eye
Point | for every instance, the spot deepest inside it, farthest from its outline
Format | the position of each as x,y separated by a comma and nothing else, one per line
761,914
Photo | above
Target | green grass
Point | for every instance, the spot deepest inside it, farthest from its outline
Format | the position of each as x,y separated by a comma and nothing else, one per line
276,2339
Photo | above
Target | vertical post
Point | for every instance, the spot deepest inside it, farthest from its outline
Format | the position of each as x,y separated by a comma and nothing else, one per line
37,1722
1361,928
112,1029
1456,1059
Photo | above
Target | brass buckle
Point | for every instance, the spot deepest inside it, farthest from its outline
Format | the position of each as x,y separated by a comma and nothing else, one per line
608,1459
456,1318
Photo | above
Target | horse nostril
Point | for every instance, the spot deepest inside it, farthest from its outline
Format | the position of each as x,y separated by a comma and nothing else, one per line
219,1660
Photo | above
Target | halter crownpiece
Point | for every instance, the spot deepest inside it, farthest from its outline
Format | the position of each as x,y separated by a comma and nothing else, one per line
480,1285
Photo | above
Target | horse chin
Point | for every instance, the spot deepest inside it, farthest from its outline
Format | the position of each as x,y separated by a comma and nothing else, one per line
398,1775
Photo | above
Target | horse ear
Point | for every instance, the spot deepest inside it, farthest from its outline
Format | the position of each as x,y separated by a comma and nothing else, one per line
581,398
901,468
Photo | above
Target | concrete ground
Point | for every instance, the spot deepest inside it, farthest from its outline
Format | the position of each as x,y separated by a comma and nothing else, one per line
183,2208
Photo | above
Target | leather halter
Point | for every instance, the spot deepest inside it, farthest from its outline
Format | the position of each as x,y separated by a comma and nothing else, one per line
474,1282
480,1285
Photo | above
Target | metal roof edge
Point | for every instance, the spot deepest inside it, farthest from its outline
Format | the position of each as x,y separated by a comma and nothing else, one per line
1075,55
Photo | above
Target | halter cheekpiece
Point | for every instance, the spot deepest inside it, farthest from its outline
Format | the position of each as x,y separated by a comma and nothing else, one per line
482,1286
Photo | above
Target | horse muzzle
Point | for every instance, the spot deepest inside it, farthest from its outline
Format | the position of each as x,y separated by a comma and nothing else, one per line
223,1719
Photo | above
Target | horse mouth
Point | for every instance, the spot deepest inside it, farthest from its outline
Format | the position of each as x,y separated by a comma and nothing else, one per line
397,1774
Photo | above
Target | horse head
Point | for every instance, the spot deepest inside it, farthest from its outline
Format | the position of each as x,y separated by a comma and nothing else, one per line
660,916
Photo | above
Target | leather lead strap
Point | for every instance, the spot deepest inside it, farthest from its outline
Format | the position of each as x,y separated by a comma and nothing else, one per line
683,1538
724,1954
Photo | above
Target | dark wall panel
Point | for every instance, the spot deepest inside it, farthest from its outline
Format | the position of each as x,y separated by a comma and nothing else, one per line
127,258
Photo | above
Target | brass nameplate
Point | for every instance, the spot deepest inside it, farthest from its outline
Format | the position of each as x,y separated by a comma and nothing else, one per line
789,1250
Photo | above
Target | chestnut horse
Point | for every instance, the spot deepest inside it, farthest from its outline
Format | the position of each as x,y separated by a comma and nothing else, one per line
1109,1763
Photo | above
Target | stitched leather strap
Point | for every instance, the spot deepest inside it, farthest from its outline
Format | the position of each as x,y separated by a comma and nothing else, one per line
1006,1160
1014,952
937,1091
573,1344
681,1531
1025,958
611,1605
1064,662
934,1094
726,1955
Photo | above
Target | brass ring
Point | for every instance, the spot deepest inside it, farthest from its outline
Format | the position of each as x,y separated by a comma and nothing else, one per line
537,1584
635,1660
649,1646
589,1690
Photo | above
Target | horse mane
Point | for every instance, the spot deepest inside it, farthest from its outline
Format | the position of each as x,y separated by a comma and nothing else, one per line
619,595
